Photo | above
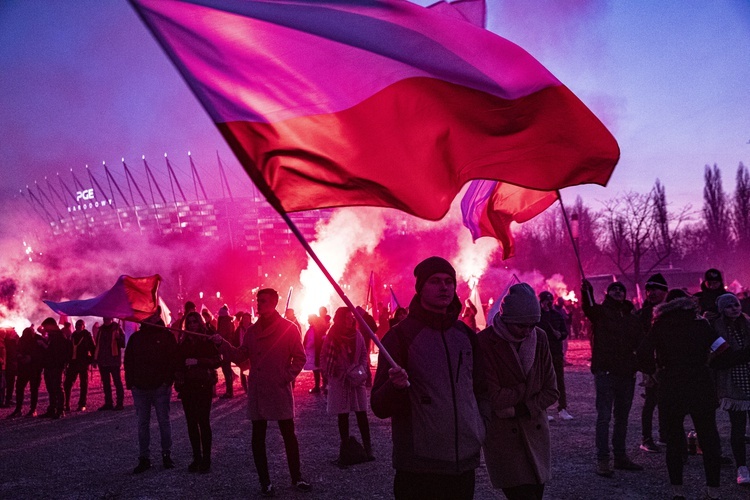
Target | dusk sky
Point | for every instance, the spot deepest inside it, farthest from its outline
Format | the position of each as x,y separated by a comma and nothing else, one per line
83,81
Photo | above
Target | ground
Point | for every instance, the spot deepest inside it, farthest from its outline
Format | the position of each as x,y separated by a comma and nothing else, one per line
91,455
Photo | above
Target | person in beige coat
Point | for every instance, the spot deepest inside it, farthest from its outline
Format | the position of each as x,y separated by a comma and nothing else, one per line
520,387
274,349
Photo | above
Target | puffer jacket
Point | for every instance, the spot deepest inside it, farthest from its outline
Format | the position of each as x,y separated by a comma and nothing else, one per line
616,335
436,424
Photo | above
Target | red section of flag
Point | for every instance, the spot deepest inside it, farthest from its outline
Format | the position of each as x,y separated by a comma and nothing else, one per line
413,145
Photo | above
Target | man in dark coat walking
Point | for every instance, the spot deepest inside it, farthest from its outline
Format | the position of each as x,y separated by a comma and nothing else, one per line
57,355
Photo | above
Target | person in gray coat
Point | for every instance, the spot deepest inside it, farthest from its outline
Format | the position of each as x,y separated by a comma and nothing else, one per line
521,384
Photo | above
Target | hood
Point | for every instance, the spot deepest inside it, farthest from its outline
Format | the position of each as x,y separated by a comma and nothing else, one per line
681,304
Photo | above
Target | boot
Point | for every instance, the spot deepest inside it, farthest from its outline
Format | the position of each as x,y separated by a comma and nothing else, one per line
602,468
166,460
195,465
624,463
144,464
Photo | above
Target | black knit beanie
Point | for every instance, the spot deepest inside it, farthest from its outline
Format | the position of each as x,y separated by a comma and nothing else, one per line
430,266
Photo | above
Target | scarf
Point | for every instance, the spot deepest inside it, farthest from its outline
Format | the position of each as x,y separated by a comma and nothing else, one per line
740,373
339,351
524,348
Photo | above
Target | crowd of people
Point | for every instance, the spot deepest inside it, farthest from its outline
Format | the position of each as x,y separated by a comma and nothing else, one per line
450,391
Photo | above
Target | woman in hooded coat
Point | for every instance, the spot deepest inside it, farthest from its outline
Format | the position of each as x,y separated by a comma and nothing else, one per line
520,387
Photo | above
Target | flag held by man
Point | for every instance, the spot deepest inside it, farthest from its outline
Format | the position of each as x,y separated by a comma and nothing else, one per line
377,103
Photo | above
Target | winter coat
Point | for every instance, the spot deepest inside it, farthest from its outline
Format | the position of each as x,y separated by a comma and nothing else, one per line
517,446
202,375
276,357
59,351
342,396
83,348
707,298
731,396
11,351
677,347
150,358
616,335
103,354
552,321
436,424
30,352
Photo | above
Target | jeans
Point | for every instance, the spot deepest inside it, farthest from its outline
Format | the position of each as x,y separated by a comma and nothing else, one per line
259,450
144,399
418,486
647,415
196,403
114,372
53,381
73,372
614,397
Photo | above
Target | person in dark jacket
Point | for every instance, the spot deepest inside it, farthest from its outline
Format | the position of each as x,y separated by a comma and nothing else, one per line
197,361
58,351
520,386
553,324
150,363
712,287
432,398
30,365
676,350
11,365
110,341
616,334
225,328
656,291
82,354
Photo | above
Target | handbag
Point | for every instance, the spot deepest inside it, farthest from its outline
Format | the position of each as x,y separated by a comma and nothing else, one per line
356,376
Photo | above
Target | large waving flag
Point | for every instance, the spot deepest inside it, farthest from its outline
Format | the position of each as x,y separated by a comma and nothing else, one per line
488,208
376,102
132,299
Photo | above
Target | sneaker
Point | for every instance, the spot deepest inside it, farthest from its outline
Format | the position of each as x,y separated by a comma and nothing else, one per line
119,407
563,414
167,461
267,491
743,475
314,390
649,446
550,418
624,463
602,468
31,413
302,485
144,464
106,407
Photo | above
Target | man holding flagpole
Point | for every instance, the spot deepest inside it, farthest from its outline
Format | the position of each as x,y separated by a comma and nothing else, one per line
432,399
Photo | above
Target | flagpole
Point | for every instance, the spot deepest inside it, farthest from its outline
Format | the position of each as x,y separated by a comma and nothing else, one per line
369,290
573,242
570,233
365,327
288,299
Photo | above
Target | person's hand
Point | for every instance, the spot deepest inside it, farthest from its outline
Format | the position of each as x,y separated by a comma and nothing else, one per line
399,377
586,285
217,339
191,362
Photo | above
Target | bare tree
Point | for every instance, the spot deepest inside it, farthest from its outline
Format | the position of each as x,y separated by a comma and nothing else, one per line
715,212
741,209
639,231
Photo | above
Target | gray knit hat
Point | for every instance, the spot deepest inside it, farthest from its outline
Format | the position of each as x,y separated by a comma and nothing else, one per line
726,300
520,306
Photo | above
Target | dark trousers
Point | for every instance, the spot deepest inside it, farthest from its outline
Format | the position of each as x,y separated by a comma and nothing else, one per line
10,385
362,423
111,371
73,372
417,486
647,415
558,363
738,421
614,397
708,436
32,378
525,492
226,370
197,406
54,383
290,444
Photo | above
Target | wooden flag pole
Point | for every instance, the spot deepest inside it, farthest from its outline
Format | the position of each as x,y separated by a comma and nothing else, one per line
336,287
